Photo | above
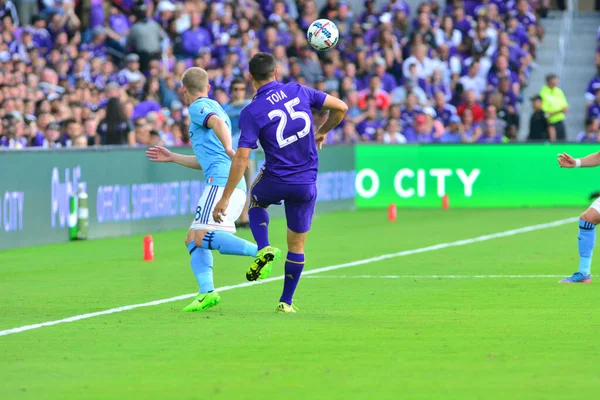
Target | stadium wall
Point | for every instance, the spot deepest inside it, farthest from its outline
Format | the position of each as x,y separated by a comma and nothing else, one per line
503,175
127,194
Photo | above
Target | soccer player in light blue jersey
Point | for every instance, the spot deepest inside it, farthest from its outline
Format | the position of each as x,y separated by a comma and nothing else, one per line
210,133
587,222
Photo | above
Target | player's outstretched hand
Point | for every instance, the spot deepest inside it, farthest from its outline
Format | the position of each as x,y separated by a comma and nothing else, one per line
566,161
159,154
220,208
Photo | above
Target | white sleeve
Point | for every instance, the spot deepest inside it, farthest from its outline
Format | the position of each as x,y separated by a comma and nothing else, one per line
405,65
439,37
456,38
455,65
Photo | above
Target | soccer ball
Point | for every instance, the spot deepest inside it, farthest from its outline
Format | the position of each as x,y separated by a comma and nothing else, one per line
323,34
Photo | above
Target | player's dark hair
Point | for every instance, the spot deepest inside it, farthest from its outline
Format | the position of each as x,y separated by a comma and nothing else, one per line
262,66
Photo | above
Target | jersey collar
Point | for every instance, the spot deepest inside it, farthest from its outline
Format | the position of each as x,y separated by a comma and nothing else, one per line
268,86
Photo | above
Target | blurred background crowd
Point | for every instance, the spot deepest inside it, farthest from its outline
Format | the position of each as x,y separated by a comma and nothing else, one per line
76,73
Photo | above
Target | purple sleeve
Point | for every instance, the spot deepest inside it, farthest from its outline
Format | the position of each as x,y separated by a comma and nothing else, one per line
315,98
249,130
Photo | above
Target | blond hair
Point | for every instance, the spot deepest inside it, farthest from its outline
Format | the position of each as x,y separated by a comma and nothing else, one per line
195,80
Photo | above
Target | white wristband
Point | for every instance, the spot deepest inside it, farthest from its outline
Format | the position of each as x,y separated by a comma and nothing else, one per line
577,162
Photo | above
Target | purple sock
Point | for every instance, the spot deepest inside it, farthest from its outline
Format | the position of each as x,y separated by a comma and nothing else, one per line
294,264
259,225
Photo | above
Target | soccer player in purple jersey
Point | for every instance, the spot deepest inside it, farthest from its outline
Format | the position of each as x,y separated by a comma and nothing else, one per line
280,118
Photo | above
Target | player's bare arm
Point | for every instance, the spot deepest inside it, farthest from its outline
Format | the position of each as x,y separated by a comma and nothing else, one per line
566,161
223,133
162,154
337,110
238,167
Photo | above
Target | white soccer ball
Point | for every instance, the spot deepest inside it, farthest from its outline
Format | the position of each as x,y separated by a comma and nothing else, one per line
323,34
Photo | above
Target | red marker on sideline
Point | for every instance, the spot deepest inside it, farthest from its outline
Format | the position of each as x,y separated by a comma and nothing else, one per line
392,213
445,202
148,248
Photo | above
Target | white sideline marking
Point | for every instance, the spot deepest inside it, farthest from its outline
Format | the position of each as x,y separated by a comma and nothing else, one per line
435,276
440,246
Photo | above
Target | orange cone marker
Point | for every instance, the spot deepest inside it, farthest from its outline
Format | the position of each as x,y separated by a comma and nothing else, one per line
148,248
392,213
445,202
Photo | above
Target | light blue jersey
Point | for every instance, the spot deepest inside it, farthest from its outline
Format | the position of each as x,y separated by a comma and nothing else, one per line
207,146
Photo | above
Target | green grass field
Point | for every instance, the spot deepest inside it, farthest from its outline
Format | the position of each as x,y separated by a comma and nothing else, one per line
397,328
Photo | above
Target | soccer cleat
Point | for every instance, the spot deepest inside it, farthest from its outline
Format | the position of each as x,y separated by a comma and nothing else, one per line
284,307
203,301
577,277
262,264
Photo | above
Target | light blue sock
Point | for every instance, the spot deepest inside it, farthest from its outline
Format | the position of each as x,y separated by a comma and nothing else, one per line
227,243
587,240
202,265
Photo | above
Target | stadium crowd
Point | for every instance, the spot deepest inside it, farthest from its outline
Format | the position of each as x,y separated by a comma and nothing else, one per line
92,72
591,132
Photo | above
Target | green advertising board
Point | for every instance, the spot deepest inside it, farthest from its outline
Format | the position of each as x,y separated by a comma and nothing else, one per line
127,193
505,175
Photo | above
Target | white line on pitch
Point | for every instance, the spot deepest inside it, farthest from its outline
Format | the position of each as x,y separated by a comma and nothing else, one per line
440,246
434,276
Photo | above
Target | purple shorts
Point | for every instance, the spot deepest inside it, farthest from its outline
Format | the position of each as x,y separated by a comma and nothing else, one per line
299,200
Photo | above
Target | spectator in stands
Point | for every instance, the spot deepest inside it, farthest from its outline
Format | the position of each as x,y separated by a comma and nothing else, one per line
473,82
593,110
472,129
145,38
409,111
491,116
349,133
370,121
554,103
52,136
454,132
437,83
411,87
423,64
471,104
8,8
490,133
392,133
141,131
443,110
382,98
539,127
388,82
510,121
500,70
115,128
447,34
590,134
77,60
80,141
311,68
593,85
421,131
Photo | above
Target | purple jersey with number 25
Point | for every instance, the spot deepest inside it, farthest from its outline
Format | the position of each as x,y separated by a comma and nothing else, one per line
280,118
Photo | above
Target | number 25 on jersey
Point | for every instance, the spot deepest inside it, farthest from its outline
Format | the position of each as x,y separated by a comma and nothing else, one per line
283,120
